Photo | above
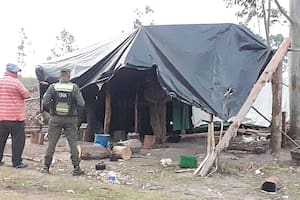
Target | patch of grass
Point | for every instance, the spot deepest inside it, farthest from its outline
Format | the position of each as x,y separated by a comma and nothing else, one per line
227,168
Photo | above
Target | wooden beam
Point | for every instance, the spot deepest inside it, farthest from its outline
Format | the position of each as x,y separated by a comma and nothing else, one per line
232,130
283,129
275,143
136,111
210,145
107,117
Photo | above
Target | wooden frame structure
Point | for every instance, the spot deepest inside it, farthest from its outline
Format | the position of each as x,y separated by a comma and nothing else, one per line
231,132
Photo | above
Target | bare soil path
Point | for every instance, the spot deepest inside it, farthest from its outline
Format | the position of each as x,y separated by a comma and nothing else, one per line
239,176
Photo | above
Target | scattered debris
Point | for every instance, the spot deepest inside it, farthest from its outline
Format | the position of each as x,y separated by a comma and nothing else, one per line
250,143
259,172
184,170
165,162
271,184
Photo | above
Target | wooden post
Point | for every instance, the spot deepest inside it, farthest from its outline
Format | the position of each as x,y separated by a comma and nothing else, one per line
210,145
283,128
184,110
275,143
136,111
107,117
232,130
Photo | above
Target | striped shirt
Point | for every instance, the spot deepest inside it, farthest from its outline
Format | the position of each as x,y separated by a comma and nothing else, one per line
12,98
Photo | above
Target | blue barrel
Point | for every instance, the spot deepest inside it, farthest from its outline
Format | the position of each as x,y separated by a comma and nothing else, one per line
101,139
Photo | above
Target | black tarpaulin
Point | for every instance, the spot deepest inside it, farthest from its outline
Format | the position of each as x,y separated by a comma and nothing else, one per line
211,66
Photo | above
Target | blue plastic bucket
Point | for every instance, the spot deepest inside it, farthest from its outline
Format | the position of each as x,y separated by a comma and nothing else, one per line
101,139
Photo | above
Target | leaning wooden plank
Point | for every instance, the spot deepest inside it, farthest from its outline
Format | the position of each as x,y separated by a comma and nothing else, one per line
232,130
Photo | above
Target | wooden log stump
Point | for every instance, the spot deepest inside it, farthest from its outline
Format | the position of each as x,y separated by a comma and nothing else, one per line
250,145
122,152
134,144
91,152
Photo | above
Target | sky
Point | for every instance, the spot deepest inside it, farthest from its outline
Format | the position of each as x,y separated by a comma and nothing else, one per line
91,21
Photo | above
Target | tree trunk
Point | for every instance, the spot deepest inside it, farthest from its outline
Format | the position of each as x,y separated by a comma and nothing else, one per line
283,128
88,151
275,143
107,117
294,63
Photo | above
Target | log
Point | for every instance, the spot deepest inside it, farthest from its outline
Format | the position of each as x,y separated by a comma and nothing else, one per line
253,146
134,144
122,152
232,130
91,152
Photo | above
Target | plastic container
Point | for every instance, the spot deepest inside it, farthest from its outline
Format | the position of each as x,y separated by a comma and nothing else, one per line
188,161
101,139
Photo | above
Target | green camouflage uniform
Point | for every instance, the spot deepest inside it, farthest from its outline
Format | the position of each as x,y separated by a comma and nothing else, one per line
67,123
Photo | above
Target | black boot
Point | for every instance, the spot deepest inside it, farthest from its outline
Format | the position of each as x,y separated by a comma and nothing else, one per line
77,171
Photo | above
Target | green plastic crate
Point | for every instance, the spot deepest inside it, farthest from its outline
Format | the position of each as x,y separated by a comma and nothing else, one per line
188,161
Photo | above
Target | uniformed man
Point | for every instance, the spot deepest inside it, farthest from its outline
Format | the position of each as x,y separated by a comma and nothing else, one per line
63,99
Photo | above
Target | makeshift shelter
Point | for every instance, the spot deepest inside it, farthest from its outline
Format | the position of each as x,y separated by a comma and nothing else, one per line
209,66
262,104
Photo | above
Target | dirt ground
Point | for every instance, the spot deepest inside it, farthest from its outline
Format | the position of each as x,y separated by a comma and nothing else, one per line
239,176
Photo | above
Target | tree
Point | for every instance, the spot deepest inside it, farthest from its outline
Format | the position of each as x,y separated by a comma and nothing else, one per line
65,43
261,14
141,17
23,49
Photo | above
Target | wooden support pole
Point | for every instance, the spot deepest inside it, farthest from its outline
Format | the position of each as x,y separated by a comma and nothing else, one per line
232,130
107,117
283,128
275,143
210,145
136,111
212,135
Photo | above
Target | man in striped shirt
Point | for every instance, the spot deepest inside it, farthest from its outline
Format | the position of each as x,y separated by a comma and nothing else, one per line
12,114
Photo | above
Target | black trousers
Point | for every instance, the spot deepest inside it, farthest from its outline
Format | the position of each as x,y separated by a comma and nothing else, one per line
17,131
